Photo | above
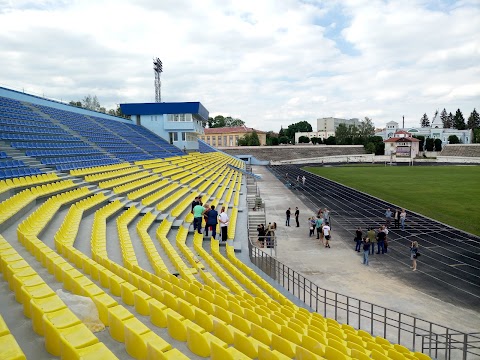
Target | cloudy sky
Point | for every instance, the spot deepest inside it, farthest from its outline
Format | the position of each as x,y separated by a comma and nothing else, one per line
270,63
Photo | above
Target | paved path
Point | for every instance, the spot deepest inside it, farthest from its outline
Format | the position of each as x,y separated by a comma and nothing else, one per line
339,268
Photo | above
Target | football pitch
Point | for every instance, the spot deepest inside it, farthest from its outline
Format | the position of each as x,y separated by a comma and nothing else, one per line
450,194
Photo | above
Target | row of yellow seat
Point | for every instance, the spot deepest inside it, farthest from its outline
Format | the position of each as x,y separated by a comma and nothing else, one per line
25,181
125,170
133,185
98,169
13,204
65,335
9,348
123,180
126,246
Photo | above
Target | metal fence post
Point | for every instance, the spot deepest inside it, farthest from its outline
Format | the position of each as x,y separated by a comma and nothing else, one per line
465,341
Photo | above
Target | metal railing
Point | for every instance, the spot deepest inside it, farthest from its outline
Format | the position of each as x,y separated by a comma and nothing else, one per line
436,340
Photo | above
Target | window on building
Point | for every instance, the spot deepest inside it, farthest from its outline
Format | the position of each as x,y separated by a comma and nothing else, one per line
173,136
214,141
208,139
231,140
236,140
225,141
184,136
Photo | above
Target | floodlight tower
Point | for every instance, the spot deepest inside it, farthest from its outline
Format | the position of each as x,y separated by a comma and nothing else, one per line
158,69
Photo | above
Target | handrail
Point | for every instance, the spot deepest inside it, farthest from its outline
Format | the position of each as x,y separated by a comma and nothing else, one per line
417,334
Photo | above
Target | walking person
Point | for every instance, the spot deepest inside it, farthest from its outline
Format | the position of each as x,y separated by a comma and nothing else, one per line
358,239
223,218
303,180
297,214
403,216
212,221
396,218
372,236
366,249
388,217
288,213
197,217
414,254
326,233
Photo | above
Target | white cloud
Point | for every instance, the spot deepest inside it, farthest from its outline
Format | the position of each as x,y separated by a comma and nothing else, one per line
269,63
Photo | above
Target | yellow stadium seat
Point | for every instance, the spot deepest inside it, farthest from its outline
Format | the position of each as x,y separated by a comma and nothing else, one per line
53,323
333,354
395,355
313,345
176,326
138,335
38,307
116,317
103,302
378,355
74,338
261,334
284,346
9,348
93,352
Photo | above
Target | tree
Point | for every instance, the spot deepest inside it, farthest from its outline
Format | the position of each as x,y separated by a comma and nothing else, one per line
422,141
273,141
424,122
75,103
303,139
476,136
283,140
330,140
302,126
342,133
366,128
91,103
216,122
370,148
231,122
453,139
316,140
271,138
473,120
429,144
459,121
444,118
249,140
450,120
437,144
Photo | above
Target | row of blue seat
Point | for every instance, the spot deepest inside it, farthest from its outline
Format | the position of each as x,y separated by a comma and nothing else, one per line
3,155
31,137
38,153
80,165
12,173
69,159
48,145
137,157
11,164
23,117
12,122
22,129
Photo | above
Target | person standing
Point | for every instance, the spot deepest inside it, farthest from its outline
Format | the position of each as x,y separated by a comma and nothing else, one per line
326,233
414,254
385,244
212,221
271,243
297,214
303,180
403,216
388,217
366,249
326,216
197,217
381,240
396,218
261,235
288,213
358,239
195,202
318,226
223,218
311,225
372,237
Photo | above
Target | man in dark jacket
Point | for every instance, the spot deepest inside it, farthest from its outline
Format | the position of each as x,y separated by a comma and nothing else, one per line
211,221
287,221
297,214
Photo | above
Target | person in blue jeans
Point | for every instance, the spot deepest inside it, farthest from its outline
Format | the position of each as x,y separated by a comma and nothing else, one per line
198,211
212,220
358,239
403,216
381,240
366,249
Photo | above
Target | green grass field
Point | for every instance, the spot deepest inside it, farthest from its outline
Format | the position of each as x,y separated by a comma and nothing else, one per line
450,194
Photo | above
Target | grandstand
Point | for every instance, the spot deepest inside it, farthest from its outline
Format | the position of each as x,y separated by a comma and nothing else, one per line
100,208
461,150
279,153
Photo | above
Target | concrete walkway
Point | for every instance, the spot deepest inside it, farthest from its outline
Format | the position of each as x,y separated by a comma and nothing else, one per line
340,269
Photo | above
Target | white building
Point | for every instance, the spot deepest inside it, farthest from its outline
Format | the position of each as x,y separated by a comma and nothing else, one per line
326,127
402,144
435,131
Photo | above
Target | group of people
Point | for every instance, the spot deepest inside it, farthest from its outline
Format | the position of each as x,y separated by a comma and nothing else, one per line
319,224
212,218
288,214
266,236
398,217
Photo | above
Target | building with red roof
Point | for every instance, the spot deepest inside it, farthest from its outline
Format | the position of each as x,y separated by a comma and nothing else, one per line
402,144
229,136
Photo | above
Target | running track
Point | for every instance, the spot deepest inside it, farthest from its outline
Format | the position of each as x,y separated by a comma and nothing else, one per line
449,266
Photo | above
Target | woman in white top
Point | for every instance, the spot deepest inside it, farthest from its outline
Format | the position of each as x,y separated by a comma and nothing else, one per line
403,216
326,233
223,219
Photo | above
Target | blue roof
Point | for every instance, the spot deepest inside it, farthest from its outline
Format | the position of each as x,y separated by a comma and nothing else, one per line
165,108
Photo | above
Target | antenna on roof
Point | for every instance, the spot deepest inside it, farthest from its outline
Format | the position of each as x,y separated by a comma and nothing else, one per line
158,69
